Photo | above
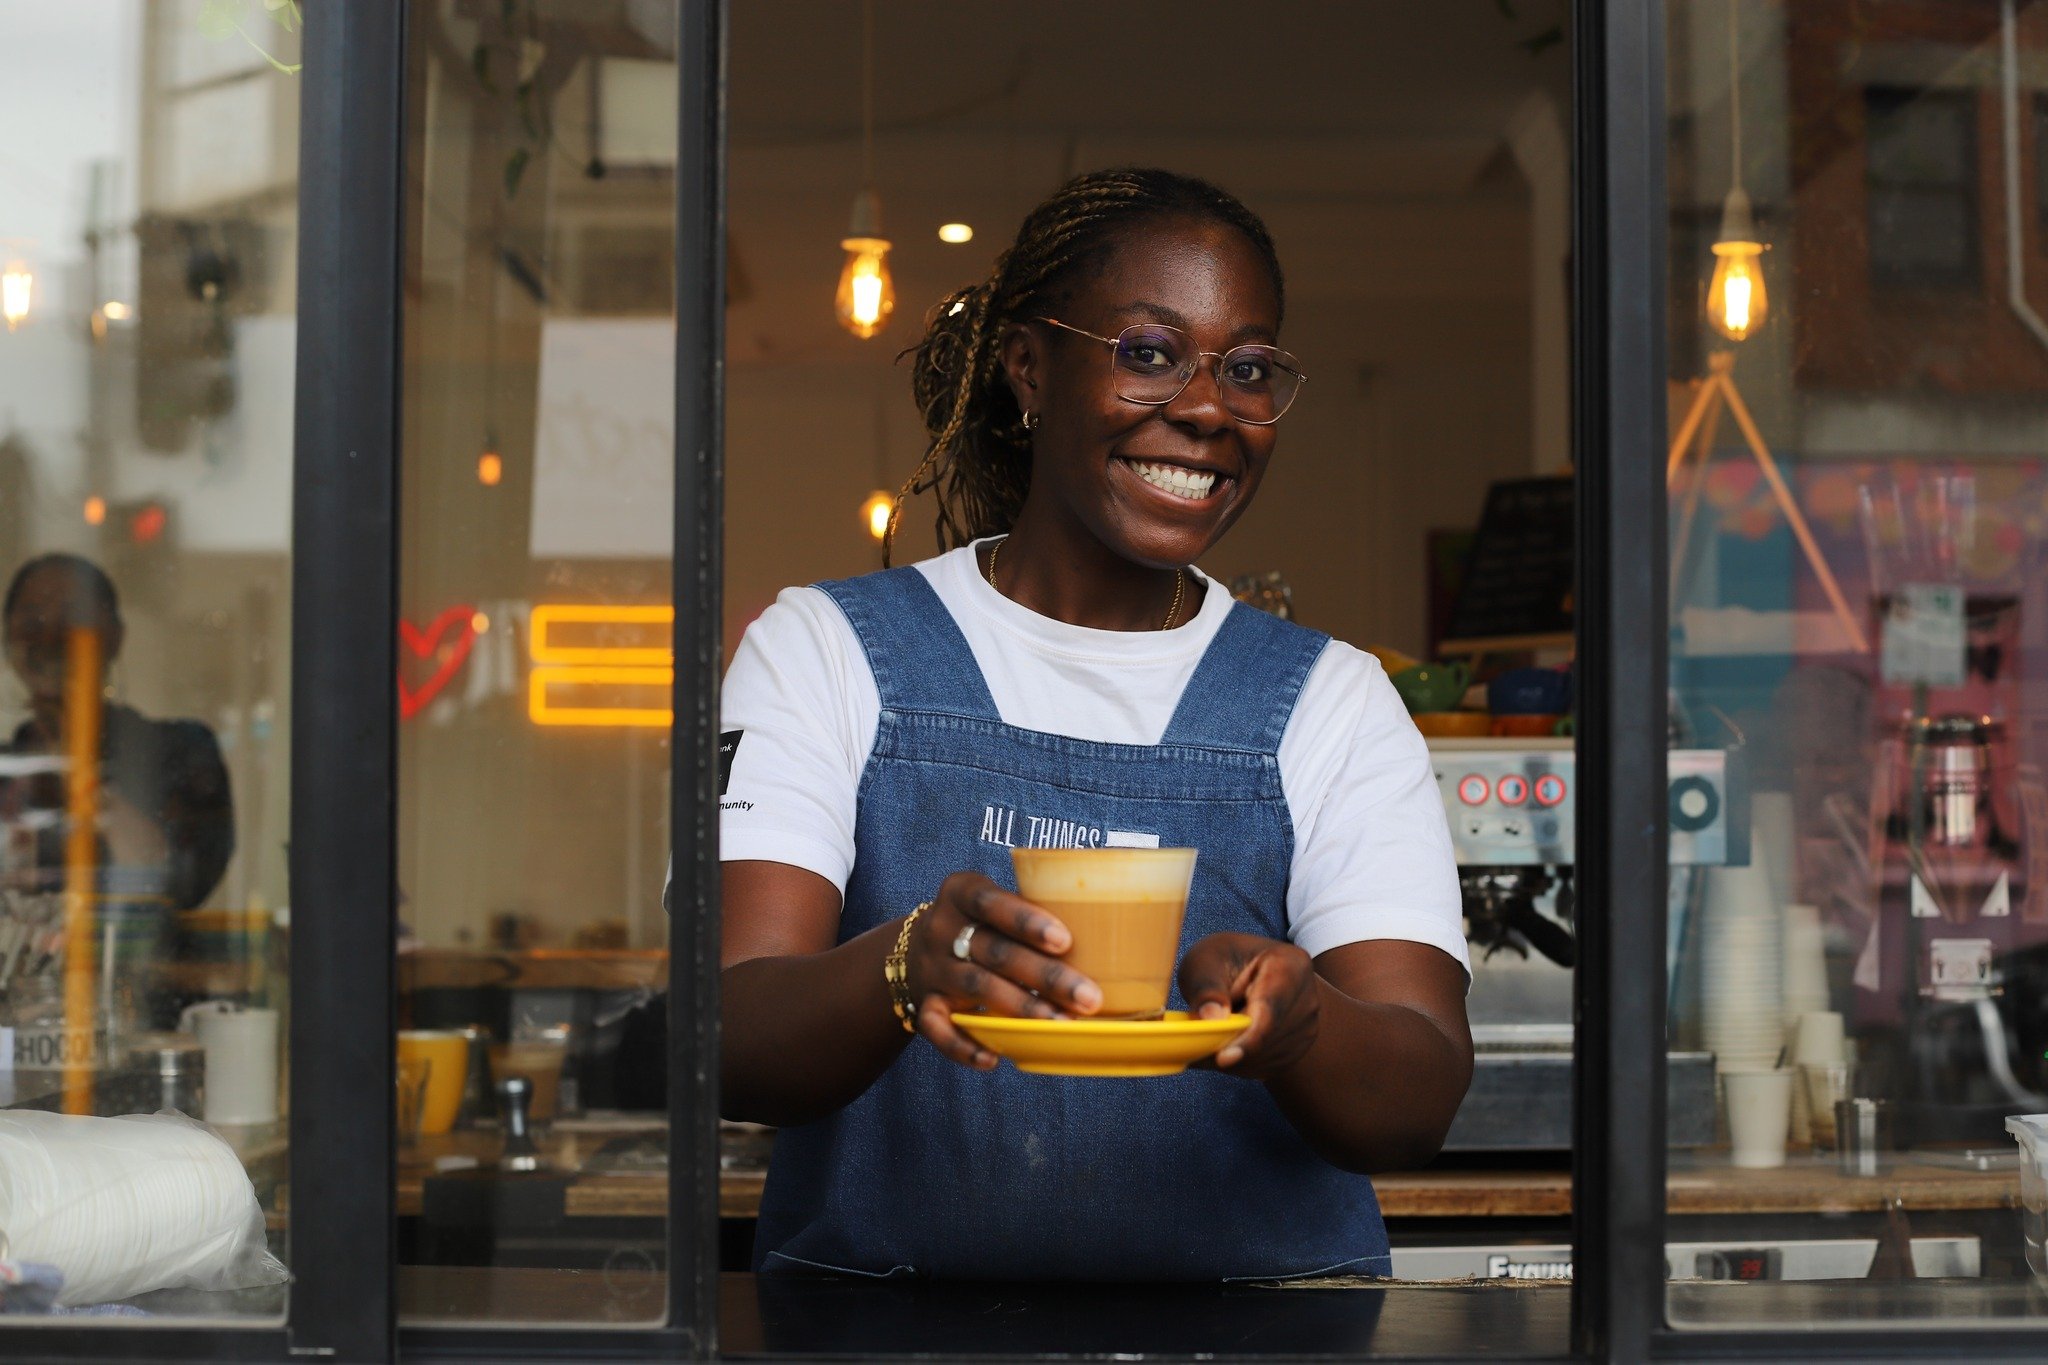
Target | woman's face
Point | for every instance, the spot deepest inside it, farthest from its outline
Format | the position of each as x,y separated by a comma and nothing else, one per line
1090,445
38,637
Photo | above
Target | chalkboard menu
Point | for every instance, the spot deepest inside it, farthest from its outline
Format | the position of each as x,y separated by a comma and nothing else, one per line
1517,588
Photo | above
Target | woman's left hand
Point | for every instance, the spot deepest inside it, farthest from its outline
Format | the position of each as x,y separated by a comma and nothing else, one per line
1274,983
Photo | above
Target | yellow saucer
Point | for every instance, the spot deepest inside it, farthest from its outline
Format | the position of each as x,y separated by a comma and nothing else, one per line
1103,1047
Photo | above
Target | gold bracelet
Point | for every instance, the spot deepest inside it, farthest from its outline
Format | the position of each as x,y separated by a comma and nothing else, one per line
896,971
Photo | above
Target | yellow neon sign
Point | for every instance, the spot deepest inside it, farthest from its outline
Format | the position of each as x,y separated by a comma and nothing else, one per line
547,620
619,685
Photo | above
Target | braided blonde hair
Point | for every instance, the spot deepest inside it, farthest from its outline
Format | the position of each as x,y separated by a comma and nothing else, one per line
978,457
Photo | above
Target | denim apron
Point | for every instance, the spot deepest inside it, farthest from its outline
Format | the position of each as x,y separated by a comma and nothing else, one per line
944,1171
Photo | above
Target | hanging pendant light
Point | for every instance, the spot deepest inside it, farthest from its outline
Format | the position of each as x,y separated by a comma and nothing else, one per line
867,294
1736,302
17,290
874,513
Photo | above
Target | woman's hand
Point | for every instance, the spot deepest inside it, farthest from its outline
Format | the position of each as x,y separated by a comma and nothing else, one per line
1274,983
1013,965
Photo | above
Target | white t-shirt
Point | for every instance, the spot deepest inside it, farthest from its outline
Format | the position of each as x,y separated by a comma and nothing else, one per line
1372,849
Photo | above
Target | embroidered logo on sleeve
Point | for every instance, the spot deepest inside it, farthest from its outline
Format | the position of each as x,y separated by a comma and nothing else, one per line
728,747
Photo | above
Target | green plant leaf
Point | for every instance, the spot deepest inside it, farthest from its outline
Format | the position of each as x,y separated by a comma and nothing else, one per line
219,18
515,169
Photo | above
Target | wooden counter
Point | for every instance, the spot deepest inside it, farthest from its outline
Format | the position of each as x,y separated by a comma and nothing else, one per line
534,969
831,1317
1805,1185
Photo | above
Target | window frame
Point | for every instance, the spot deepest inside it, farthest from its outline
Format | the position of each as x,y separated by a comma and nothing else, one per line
1889,277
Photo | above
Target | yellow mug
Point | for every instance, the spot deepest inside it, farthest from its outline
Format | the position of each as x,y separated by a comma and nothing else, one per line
446,1054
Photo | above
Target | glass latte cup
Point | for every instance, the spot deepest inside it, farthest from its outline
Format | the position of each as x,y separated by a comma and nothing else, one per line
1124,908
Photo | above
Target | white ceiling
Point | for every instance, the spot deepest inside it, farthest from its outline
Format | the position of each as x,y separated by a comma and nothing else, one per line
1368,132
1276,69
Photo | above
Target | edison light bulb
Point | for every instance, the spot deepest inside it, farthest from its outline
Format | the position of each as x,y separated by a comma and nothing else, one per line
16,288
866,293
1736,303
875,513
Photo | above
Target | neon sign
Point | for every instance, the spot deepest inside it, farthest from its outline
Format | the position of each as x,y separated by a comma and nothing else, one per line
426,644
599,665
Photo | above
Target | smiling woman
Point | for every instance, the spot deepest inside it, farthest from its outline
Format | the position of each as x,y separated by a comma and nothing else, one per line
1063,676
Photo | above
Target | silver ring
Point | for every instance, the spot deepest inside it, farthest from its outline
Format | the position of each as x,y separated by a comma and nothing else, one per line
962,942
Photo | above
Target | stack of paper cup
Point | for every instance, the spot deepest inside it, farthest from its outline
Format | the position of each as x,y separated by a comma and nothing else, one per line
1806,993
1742,993
1773,818
1817,1043
1806,962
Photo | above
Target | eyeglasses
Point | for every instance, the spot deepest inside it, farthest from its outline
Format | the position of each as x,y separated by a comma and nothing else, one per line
1151,363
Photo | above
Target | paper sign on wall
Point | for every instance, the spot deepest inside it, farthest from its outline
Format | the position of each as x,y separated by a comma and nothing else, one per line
604,447
1923,636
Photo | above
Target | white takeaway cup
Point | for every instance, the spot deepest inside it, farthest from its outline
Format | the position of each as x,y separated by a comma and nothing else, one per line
241,1060
1817,1038
1759,1114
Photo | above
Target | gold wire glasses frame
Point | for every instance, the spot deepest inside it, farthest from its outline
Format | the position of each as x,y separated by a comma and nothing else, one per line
1258,402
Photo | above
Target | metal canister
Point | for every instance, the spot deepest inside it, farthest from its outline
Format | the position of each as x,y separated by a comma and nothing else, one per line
174,1067
1863,1136
1951,758
476,1084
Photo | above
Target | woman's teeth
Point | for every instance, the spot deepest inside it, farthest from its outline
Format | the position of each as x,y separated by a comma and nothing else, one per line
1175,480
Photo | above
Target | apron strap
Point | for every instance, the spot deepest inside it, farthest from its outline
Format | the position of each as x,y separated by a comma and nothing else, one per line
920,660
1245,687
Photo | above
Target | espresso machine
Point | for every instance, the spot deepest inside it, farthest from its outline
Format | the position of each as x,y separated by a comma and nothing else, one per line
1510,805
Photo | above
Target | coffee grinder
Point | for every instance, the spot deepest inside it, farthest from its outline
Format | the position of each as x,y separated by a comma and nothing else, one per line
1955,819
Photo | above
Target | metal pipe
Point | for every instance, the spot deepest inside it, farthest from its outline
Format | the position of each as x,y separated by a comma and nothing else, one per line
81,863
2015,256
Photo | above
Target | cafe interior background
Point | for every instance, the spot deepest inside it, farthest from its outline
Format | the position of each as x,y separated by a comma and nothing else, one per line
1858,370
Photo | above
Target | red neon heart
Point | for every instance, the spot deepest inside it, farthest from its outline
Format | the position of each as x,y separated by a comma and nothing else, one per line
424,643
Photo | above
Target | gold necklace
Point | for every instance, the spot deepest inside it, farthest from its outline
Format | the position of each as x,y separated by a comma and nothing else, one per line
1180,583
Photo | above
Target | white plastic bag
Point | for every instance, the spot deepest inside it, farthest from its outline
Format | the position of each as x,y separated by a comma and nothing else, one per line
126,1205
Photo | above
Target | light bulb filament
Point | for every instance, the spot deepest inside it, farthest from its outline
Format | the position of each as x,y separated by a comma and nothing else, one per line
1736,302
867,294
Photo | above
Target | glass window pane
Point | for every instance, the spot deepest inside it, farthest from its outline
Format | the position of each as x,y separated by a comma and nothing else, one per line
147,225
535,664
1857,533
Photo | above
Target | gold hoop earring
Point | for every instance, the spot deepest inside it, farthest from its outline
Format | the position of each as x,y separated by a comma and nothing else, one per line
1030,419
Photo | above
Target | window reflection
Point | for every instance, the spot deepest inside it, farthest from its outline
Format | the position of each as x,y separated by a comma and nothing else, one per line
535,670
1857,557
145,501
